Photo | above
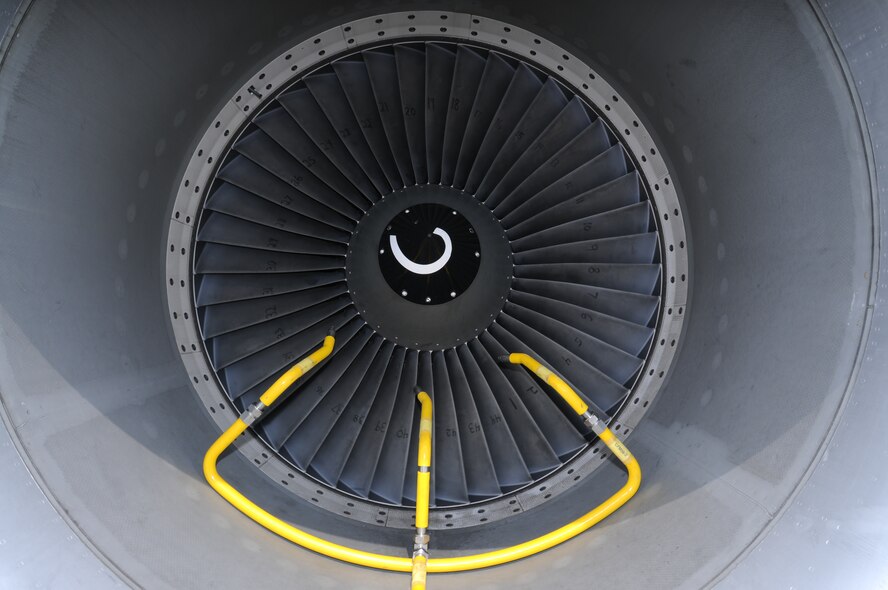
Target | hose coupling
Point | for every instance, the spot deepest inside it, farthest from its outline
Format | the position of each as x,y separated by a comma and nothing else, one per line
252,413
593,422
421,543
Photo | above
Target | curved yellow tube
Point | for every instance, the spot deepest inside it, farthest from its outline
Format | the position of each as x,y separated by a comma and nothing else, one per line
404,564
553,380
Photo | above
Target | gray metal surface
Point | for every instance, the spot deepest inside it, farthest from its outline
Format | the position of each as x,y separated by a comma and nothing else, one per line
753,109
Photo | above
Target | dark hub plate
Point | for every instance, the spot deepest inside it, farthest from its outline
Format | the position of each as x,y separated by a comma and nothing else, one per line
429,267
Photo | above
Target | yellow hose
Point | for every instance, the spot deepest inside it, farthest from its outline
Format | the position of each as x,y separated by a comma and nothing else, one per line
423,477
404,564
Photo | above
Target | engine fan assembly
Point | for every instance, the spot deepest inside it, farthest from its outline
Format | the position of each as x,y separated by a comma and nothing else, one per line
441,189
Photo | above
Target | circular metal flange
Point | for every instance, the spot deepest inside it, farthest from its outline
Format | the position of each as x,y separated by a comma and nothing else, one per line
494,35
429,311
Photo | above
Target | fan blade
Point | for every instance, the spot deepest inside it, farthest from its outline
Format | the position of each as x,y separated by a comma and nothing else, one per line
617,194
522,89
310,390
535,452
466,79
632,307
219,228
227,317
388,480
357,474
282,128
308,437
384,80
411,77
330,458
481,479
246,174
636,278
610,360
546,105
439,67
597,388
213,289
570,122
233,346
638,248
234,201
332,99
494,82
622,334
355,83
447,461
250,371
511,472
217,258
560,434
303,107
600,170
563,165
263,150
